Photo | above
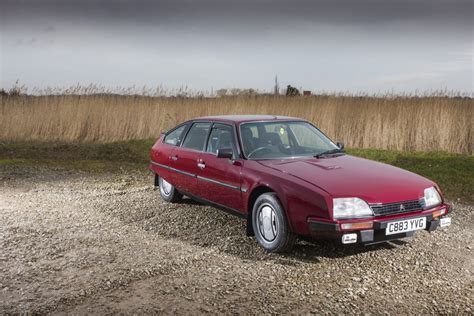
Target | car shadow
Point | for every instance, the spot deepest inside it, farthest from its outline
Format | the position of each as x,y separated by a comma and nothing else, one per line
188,201
205,226
310,251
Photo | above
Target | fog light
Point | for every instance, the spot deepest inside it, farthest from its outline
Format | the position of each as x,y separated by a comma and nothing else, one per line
361,225
349,238
444,222
439,213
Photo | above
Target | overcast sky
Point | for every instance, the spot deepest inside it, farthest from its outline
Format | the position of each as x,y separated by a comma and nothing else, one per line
332,45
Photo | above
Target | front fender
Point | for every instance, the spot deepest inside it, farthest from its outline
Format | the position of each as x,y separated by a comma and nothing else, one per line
299,199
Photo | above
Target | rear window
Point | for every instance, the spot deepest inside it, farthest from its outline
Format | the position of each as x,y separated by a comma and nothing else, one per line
196,137
174,137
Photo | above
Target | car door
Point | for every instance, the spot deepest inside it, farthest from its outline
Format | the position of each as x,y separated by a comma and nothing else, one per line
184,159
219,178
167,148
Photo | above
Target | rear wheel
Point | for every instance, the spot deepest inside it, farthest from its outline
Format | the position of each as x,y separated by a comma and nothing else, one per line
270,224
168,191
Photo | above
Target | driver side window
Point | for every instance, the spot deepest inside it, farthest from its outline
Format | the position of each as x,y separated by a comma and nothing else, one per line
221,137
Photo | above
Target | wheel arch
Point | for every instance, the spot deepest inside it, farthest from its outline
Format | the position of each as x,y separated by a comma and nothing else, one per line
254,194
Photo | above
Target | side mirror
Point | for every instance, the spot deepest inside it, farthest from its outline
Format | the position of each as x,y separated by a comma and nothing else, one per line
225,153
340,145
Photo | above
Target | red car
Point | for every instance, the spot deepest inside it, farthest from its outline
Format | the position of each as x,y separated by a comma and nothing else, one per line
288,179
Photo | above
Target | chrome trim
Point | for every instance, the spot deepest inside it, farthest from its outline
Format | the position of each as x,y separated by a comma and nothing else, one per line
173,169
199,177
219,183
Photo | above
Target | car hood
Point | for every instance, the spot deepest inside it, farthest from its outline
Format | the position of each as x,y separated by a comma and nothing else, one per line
349,176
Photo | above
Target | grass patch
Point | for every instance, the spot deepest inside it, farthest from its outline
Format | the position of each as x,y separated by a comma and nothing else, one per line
96,166
134,151
454,173
110,157
4,162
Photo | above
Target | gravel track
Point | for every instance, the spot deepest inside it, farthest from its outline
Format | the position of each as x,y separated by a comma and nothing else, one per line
95,243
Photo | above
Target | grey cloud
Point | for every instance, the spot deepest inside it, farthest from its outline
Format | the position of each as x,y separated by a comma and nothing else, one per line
358,45
340,11
50,29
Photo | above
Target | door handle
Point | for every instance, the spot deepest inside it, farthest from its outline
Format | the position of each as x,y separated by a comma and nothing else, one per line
174,158
201,165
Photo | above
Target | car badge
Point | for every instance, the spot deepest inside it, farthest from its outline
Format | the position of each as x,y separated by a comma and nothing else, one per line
402,208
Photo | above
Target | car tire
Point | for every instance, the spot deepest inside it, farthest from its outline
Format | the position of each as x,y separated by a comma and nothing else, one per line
270,224
168,192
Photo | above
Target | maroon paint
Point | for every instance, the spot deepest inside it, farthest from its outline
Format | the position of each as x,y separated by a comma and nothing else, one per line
223,170
161,153
185,159
305,186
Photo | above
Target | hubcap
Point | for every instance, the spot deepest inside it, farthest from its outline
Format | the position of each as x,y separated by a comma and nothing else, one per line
267,222
166,187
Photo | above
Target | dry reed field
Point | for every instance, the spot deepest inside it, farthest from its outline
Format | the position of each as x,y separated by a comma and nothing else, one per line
430,123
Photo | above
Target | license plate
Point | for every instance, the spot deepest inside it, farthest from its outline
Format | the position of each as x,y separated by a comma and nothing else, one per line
405,225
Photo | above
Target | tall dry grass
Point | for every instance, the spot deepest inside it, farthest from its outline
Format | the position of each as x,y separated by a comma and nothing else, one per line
401,123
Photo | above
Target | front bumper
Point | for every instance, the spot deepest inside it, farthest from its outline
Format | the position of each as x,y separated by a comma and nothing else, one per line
376,233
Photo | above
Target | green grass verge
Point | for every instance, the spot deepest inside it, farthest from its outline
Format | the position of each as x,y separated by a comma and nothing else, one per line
134,151
453,172
110,157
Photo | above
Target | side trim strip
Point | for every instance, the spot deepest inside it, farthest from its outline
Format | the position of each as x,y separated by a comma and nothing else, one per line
234,187
173,169
219,183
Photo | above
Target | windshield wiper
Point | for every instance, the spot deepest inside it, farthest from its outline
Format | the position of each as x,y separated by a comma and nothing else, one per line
329,152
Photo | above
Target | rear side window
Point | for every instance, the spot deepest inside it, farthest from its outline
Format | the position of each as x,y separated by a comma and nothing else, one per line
196,137
174,137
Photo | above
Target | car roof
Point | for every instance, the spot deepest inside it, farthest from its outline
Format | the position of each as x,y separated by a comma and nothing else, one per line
246,118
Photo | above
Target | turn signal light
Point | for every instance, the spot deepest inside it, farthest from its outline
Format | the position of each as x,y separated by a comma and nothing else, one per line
439,213
360,225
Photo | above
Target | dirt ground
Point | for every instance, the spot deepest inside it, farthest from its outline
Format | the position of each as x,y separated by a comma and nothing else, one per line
76,242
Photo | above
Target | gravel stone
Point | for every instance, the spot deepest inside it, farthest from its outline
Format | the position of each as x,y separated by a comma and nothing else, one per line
76,242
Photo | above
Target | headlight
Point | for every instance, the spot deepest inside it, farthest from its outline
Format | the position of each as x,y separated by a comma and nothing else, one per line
432,197
351,208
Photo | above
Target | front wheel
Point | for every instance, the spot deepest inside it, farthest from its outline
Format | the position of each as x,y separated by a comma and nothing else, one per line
168,192
270,224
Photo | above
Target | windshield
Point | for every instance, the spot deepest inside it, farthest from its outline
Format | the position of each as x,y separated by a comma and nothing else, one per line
279,140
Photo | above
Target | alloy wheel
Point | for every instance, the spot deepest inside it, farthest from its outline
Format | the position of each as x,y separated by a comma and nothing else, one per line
166,187
267,222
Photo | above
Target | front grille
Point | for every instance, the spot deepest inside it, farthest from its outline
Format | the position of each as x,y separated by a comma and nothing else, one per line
397,208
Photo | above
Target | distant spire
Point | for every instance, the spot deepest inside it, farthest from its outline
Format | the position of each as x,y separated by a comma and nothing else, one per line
276,89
